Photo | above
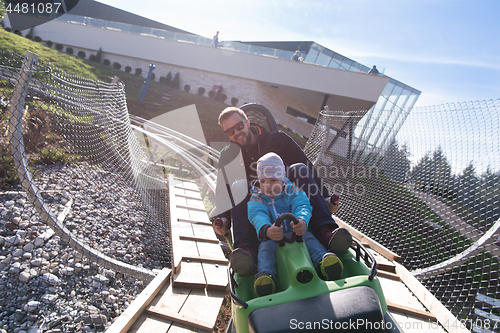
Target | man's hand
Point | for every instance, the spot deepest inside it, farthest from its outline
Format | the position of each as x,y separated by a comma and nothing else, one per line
221,229
275,233
300,228
333,207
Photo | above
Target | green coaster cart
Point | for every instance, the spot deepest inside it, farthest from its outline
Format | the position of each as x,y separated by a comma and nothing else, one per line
305,302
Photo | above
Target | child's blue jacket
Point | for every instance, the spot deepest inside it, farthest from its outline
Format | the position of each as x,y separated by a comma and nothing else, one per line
264,210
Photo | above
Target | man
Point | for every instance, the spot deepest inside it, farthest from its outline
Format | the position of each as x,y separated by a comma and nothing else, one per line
215,41
296,56
248,144
373,70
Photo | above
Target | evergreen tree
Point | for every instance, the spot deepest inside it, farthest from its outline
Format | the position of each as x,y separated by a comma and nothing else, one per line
396,163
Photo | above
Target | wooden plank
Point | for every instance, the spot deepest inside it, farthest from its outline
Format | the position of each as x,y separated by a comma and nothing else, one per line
196,203
203,230
193,197
388,275
171,300
146,324
386,267
200,259
183,187
216,276
410,311
136,308
443,315
189,320
189,249
190,275
365,239
210,250
199,215
194,221
199,239
200,209
205,304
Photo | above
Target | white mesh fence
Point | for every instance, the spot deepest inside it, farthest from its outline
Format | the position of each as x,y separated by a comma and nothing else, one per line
432,196
84,215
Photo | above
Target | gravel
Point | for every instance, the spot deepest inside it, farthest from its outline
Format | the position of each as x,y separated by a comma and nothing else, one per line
45,286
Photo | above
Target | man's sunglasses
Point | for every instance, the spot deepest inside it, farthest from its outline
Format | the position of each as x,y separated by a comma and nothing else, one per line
239,126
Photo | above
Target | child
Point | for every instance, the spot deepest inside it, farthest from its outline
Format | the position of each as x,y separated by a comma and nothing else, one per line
277,195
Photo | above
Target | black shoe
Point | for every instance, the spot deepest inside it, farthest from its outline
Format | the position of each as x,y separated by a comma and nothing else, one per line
264,284
340,241
242,262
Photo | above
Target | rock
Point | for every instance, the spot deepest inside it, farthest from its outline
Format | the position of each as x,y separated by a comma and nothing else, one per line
68,271
17,253
109,273
49,298
11,226
19,315
110,299
23,224
15,268
96,319
39,262
32,317
26,275
12,240
9,203
50,278
16,220
31,306
29,247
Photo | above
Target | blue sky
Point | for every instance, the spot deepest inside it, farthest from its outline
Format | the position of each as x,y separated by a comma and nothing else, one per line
448,49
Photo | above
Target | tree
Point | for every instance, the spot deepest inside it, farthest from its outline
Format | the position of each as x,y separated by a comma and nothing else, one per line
468,182
421,171
396,163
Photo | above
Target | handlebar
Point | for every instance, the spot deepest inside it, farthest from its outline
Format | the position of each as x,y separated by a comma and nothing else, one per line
294,219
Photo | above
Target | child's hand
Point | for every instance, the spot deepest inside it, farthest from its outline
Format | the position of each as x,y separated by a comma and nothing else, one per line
275,233
300,228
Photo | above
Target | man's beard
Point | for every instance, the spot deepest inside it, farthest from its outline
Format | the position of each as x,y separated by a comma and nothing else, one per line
248,139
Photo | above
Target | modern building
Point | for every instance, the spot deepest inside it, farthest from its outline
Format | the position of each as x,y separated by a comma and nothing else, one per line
261,72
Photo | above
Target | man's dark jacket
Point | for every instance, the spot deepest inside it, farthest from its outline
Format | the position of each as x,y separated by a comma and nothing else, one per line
277,142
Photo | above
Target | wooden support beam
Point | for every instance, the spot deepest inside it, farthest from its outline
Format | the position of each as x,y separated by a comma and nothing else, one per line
188,197
200,239
411,311
386,267
382,250
443,315
195,221
205,259
388,275
123,323
182,319
200,209
186,188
